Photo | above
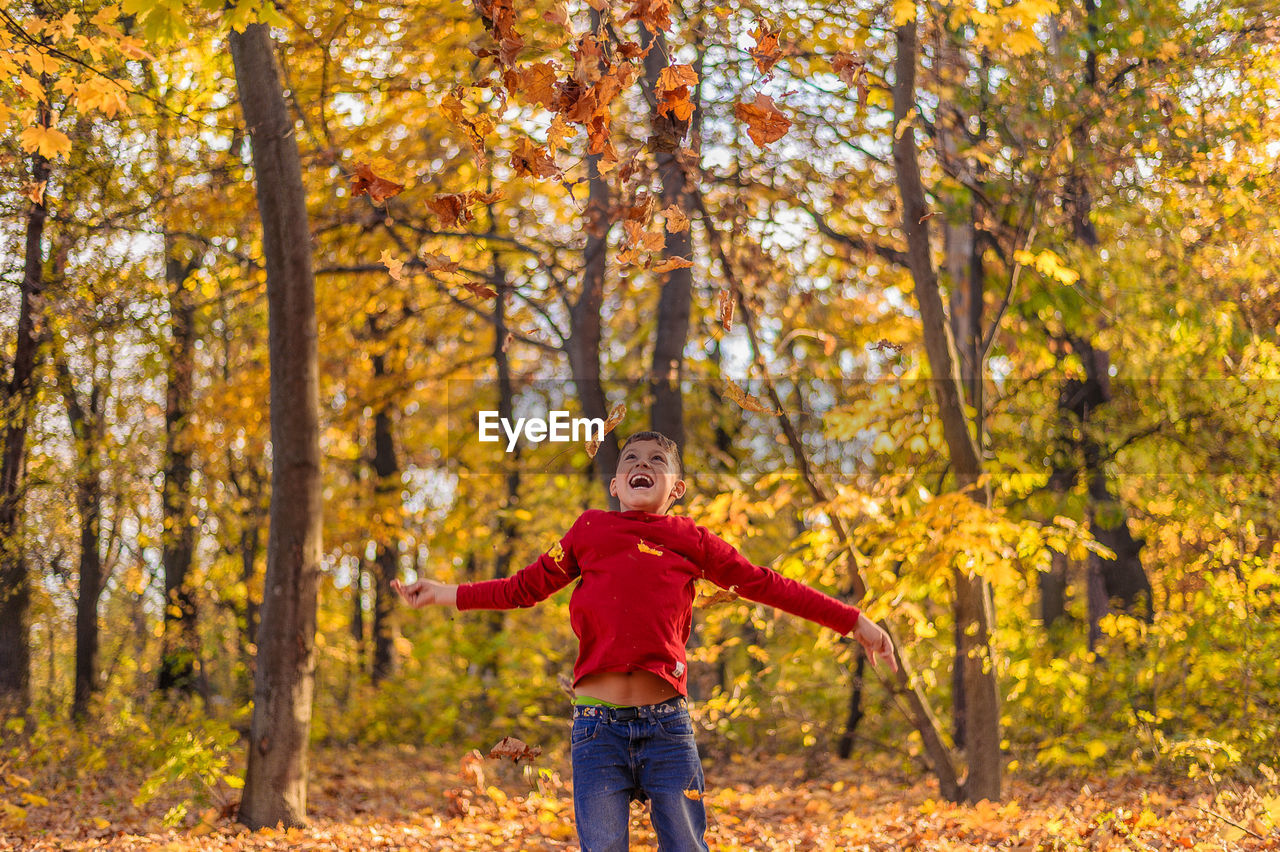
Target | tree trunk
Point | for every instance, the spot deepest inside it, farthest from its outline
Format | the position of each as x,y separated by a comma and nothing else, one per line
88,428
973,595
275,790
386,468
15,409
511,499
675,301
1053,591
584,314
180,656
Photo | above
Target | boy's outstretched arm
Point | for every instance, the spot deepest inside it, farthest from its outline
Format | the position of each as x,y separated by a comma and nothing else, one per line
426,592
877,642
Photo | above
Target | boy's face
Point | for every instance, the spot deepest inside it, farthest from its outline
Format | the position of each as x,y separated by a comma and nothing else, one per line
646,478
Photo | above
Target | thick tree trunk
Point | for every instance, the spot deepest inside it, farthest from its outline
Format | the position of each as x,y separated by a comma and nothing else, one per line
675,300
275,790
584,322
180,655
15,411
973,595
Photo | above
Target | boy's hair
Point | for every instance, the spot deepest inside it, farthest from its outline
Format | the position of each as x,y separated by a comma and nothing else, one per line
661,440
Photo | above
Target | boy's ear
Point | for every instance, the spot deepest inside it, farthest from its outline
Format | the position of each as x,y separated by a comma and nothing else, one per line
677,491
613,487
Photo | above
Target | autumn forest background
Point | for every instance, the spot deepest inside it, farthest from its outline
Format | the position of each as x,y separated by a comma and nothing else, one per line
965,312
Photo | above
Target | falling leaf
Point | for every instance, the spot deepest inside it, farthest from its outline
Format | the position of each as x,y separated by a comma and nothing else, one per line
673,91
654,14
507,341
903,124
928,215
767,52
438,263
672,263
746,400
537,83
615,417
677,221
515,749
724,309
34,192
639,238
588,61
531,159
48,142
454,209
649,549
480,290
558,133
642,208
696,795
883,345
379,189
853,71
558,15
765,123
904,12
500,20
719,596
394,265
632,50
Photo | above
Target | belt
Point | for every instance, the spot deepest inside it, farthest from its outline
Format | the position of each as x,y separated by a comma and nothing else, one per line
628,714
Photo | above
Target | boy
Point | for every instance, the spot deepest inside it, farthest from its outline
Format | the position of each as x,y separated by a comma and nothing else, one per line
632,610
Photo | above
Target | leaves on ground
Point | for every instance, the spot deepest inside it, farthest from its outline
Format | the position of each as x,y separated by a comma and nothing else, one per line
389,797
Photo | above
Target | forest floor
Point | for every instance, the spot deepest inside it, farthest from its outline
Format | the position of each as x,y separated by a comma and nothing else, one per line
401,798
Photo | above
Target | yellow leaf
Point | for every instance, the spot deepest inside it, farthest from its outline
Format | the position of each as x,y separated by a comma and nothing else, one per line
45,141
497,795
394,265
902,126
11,814
904,12
34,800
101,824
1137,37
16,781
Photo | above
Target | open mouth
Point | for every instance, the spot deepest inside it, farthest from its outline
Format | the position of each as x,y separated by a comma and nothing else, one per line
640,480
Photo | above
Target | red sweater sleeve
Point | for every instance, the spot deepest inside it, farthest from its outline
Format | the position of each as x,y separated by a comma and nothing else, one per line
545,576
726,567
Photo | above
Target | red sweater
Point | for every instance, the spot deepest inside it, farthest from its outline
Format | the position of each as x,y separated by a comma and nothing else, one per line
633,606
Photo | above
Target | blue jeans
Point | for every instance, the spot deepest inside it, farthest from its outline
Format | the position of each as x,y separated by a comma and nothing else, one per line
637,753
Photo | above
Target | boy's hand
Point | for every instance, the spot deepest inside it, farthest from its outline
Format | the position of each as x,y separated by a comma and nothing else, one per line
426,592
876,641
